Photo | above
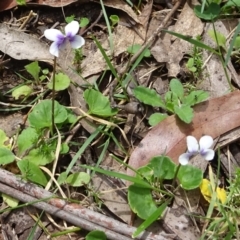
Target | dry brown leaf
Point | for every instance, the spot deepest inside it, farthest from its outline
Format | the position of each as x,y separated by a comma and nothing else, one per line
20,45
214,117
187,24
215,81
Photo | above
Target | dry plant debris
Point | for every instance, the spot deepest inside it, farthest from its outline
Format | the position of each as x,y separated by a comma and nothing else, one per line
129,64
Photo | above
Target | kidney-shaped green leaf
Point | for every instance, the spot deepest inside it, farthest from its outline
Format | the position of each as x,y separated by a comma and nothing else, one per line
141,201
98,103
190,177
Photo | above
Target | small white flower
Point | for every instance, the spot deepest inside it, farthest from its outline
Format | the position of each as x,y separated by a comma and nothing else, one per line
59,39
203,148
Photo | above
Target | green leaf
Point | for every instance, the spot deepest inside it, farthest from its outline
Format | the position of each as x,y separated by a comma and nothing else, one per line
21,2
41,116
195,97
32,172
141,201
71,117
78,179
145,172
156,118
98,103
96,235
62,82
33,69
231,3
6,156
84,22
159,212
26,139
64,148
148,96
163,167
62,178
212,11
184,112
3,139
190,177
237,43
69,18
136,47
23,90
171,97
114,19
39,157
219,39
177,88
10,201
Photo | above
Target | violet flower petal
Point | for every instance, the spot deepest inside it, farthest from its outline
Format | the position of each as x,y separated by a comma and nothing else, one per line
77,42
208,154
71,29
54,49
192,145
53,34
205,143
184,158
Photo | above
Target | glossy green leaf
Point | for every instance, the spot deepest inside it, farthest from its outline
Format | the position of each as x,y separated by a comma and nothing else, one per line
78,179
62,81
96,235
6,156
190,177
32,172
148,96
141,201
184,112
23,90
41,116
163,167
98,103
156,118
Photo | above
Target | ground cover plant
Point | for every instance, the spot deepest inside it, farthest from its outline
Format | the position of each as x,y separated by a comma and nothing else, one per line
119,119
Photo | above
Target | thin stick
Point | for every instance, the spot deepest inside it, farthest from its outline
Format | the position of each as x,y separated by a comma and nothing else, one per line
10,179
71,218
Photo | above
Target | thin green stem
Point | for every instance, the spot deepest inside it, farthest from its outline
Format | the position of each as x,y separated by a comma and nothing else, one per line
53,93
175,176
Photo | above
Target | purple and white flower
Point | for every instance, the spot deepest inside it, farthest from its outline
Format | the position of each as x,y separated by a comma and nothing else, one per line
202,148
59,39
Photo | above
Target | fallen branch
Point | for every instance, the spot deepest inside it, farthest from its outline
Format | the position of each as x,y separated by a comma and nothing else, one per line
92,220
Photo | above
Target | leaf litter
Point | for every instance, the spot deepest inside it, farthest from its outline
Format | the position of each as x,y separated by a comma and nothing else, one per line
214,117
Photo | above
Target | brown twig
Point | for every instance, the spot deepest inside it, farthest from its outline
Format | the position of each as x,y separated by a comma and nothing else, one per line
76,209
64,215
